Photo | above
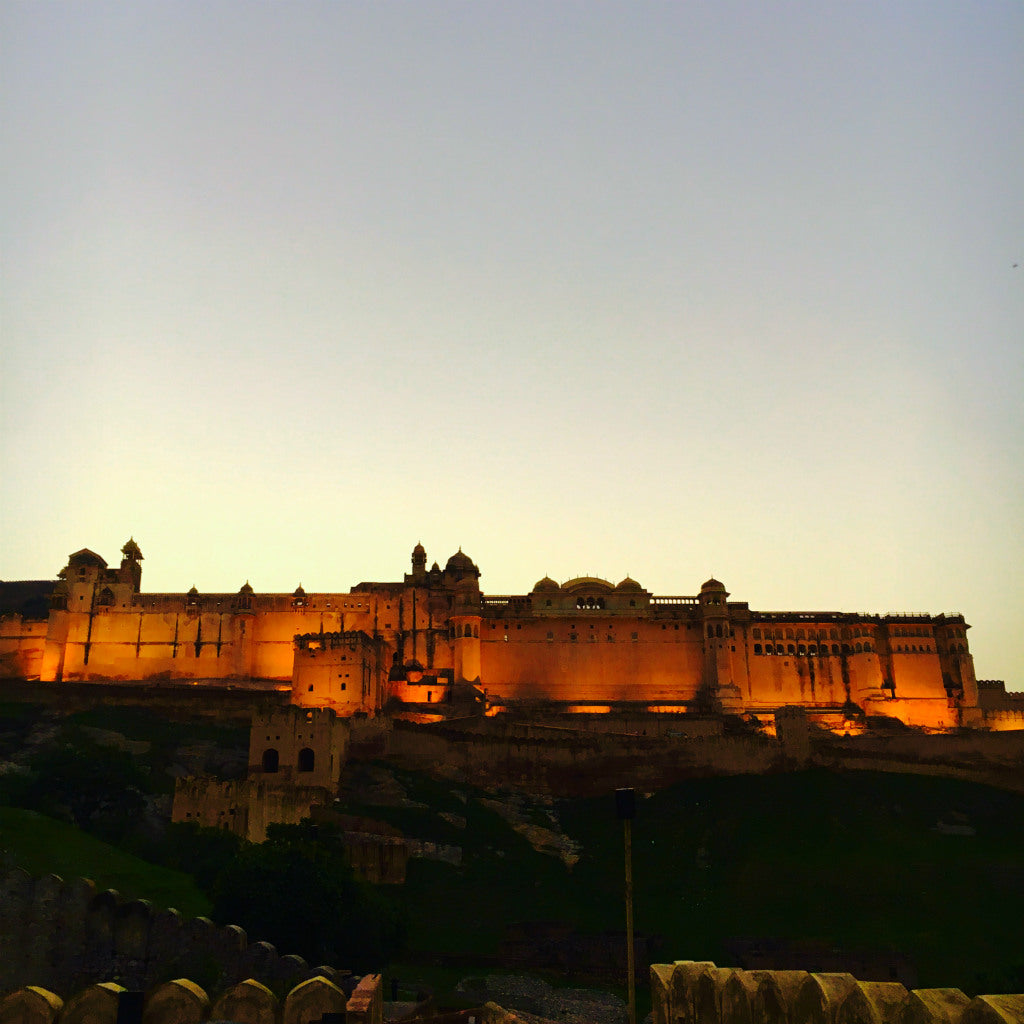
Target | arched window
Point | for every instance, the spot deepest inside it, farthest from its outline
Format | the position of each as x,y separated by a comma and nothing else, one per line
711,630
790,650
469,630
306,760
718,630
270,760
106,598
757,648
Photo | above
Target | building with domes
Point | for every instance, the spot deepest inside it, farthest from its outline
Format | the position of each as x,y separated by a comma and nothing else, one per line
433,637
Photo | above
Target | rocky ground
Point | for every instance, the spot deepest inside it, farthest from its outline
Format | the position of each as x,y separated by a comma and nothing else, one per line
528,995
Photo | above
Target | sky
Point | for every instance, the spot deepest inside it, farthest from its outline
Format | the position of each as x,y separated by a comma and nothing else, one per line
659,288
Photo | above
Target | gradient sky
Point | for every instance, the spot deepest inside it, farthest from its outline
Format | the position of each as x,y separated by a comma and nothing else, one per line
667,289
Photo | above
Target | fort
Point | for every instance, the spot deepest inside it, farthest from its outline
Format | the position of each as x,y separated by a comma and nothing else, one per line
433,639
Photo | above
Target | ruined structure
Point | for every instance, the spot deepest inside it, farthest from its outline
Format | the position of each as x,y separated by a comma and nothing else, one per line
433,636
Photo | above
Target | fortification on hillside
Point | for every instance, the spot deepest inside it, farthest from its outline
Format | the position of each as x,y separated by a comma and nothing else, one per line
434,637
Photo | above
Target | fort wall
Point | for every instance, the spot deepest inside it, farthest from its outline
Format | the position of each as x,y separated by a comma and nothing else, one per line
582,641
22,645
698,992
568,763
244,806
63,936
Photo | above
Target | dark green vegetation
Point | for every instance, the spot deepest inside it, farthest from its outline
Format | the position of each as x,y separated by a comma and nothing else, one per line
929,868
41,845
106,769
298,888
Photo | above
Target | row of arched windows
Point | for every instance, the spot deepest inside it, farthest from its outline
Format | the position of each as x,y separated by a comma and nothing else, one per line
720,630
814,650
846,633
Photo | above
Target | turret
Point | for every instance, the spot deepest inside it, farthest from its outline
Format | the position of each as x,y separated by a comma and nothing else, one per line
131,570
465,631
419,563
718,689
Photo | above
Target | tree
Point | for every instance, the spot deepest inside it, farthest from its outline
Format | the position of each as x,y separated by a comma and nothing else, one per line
97,788
298,891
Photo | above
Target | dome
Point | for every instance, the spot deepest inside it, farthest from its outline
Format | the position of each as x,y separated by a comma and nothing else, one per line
298,591
131,550
547,583
712,584
87,557
587,583
420,550
193,592
246,588
630,584
460,562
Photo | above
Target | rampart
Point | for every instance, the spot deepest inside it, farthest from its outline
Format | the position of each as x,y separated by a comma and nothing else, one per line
182,1001
698,992
63,936
565,761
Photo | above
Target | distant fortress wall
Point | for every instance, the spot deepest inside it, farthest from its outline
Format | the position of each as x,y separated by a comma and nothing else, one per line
434,633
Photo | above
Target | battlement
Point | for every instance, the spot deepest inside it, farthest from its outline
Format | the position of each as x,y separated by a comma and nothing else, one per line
701,993
64,936
359,1001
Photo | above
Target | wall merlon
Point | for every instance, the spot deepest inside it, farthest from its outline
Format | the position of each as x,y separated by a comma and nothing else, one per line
698,992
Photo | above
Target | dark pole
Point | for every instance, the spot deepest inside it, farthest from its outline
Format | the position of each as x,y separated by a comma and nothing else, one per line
625,809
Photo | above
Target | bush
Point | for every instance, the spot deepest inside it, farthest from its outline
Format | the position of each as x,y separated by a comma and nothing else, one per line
298,891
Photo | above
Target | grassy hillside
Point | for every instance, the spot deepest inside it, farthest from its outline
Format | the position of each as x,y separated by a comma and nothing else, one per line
930,868
41,845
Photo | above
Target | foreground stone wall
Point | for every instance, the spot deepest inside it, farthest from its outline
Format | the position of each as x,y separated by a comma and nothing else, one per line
698,992
184,1002
63,936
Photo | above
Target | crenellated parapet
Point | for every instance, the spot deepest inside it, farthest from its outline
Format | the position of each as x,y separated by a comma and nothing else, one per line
182,1001
698,992
64,936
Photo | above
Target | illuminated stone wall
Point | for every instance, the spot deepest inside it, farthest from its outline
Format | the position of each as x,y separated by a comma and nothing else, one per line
434,632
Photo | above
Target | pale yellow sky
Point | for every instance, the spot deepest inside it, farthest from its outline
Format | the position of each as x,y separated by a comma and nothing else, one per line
654,288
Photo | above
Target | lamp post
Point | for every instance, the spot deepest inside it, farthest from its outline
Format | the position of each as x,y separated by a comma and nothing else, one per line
625,811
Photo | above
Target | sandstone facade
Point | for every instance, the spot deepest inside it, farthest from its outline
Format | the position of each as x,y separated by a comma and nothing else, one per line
433,636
